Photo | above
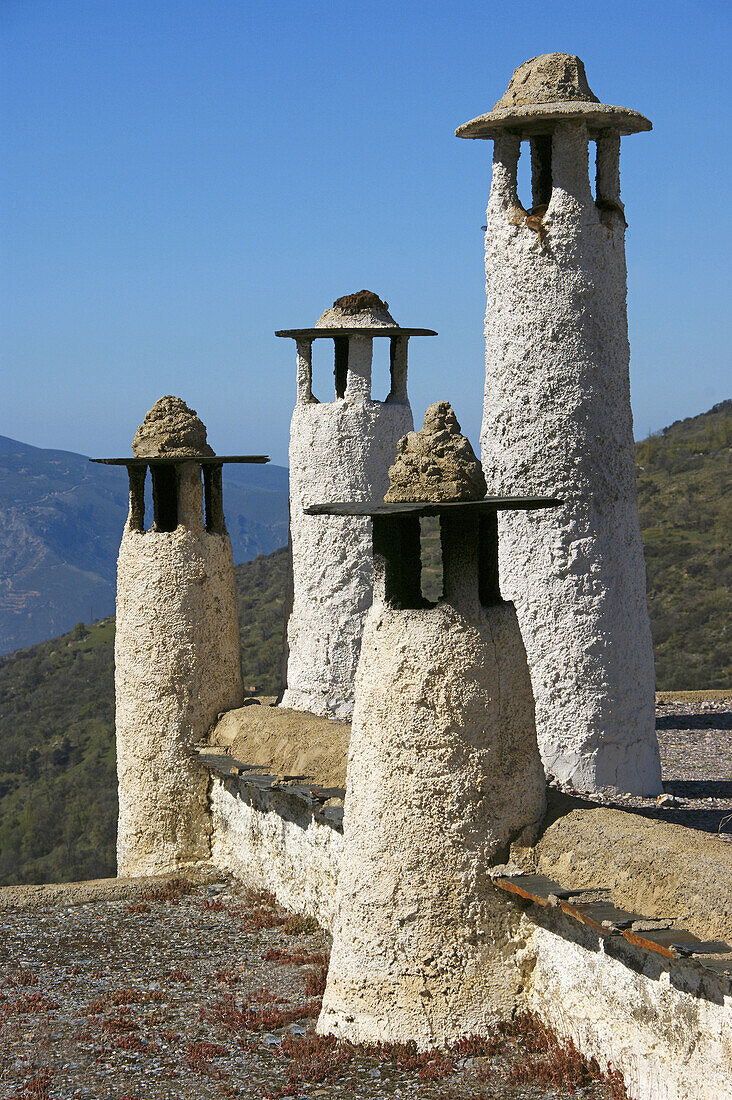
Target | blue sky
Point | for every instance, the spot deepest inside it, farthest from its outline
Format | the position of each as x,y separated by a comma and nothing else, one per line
181,177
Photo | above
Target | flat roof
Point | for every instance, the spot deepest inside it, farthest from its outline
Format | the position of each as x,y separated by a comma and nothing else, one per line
178,460
429,508
373,330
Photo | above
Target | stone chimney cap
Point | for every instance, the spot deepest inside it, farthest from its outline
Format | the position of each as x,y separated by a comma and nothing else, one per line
171,430
546,90
364,309
436,464
360,314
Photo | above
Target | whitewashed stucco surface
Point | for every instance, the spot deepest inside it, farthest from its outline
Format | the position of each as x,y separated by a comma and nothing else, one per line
339,451
557,420
670,1037
177,665
443,772
293,856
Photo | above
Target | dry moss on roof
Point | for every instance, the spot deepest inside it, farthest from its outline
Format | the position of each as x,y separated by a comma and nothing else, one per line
360,301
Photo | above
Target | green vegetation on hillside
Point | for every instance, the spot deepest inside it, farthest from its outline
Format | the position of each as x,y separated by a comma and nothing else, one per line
685,507
58,789
262,587
58,803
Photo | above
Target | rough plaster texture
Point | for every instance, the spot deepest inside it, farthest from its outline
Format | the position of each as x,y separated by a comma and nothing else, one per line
650,867
549,89
669,1031
258,838
340,451
443,772
436,463
557,421
289,742
177,665
550,78
170,428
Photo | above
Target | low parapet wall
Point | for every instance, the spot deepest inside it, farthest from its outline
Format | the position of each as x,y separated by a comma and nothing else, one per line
648,990
277,787
278,839
666,1026
627,957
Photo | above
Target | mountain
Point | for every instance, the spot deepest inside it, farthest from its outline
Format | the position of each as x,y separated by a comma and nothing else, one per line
58,800
61,520
685,504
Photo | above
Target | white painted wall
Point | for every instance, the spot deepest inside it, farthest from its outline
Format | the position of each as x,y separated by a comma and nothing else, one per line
339,451
668,1031
557,420
291,855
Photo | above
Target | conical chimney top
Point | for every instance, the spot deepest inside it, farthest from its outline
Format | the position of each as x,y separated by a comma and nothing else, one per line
364,309
361,314
172,434
437,463
171,430
549,89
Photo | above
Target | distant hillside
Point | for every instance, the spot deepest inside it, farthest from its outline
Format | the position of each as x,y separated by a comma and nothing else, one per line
685,502
61,519
57,781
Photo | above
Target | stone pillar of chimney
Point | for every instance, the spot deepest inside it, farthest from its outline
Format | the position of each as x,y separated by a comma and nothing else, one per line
341,444
444,771
557,420
177,651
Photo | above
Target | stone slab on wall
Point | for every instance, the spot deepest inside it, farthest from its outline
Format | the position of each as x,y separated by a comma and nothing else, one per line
294,742
651,867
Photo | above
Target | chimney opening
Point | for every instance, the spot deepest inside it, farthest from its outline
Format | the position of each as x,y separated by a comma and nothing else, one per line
137,476
213,499
381,366
341,364
397,555
489,591
165,497
541,170
523,178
